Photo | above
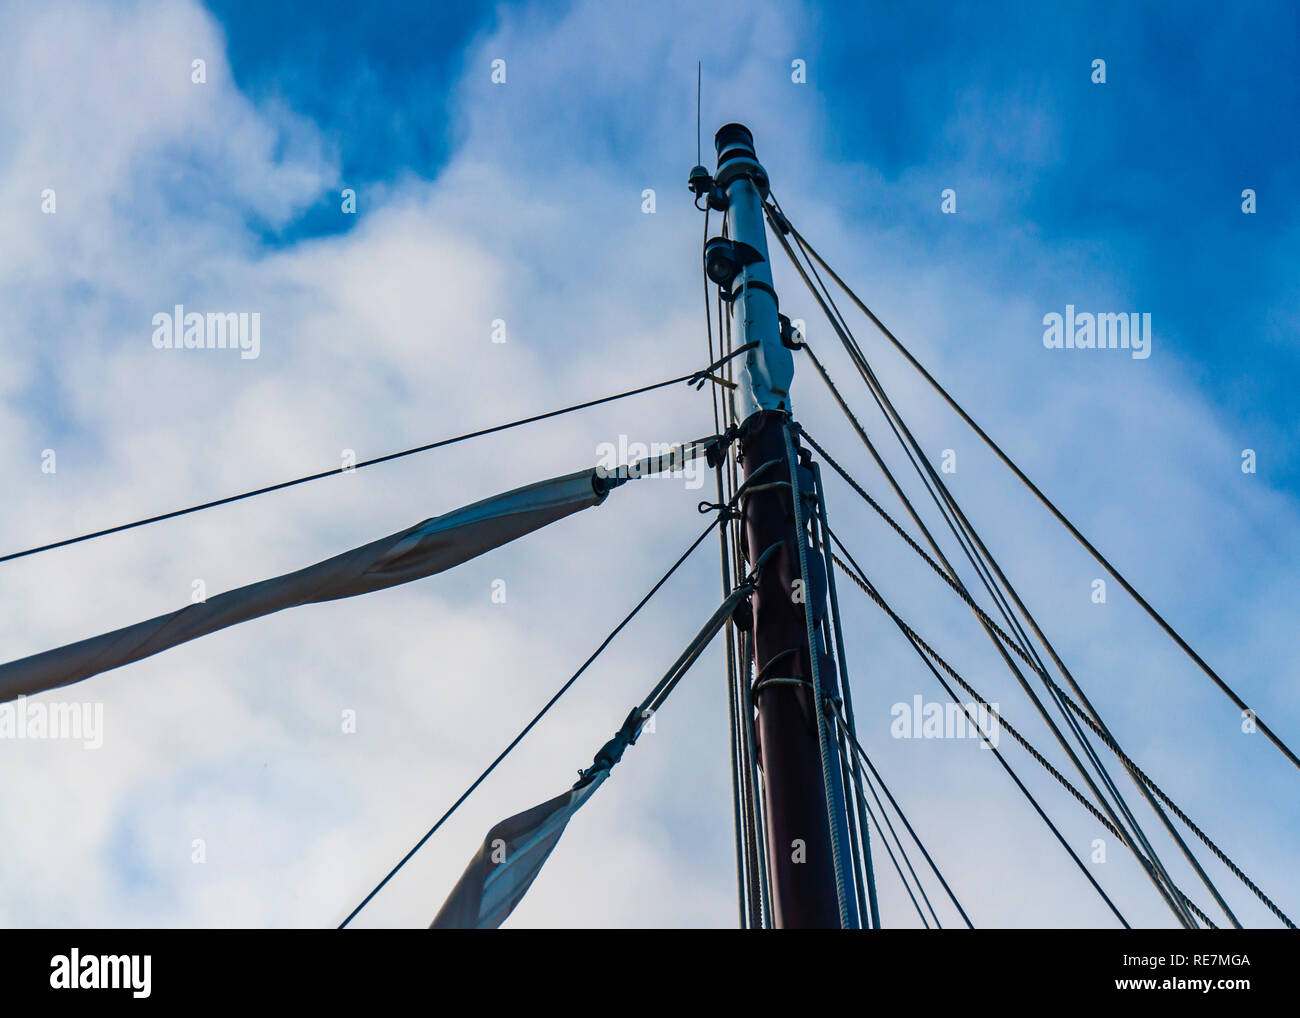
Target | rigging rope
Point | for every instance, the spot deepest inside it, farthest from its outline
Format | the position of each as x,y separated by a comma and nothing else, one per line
1079,711
833,813
531,724
889,824
754,815
869,918
853,739
691,379
950,511
863,584
833,634
928,654
754,780
863,804
741,801
1047,503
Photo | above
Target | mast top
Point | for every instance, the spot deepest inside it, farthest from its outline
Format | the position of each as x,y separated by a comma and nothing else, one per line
737,158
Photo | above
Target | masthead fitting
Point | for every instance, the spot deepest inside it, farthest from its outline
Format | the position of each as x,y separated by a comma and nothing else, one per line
736,158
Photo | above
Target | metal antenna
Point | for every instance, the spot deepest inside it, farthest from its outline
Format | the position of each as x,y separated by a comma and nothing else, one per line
699,79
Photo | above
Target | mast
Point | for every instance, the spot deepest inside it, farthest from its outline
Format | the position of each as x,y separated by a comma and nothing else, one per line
806,824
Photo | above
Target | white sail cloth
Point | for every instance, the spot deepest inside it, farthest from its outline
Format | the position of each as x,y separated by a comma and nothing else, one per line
430,547
508,862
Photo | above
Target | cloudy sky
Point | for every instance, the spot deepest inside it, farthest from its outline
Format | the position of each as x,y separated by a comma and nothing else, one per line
522,202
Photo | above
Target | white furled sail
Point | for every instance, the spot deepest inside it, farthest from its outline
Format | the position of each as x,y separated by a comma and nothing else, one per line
509,860
429,547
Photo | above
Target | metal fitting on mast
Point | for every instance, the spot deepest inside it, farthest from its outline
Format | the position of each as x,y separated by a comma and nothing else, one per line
739,264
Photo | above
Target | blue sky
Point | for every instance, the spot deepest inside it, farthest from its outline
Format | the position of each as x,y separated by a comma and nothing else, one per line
523,202
1145,173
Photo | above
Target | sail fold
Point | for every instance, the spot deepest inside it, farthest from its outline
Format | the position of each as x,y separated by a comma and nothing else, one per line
427,548
508,861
